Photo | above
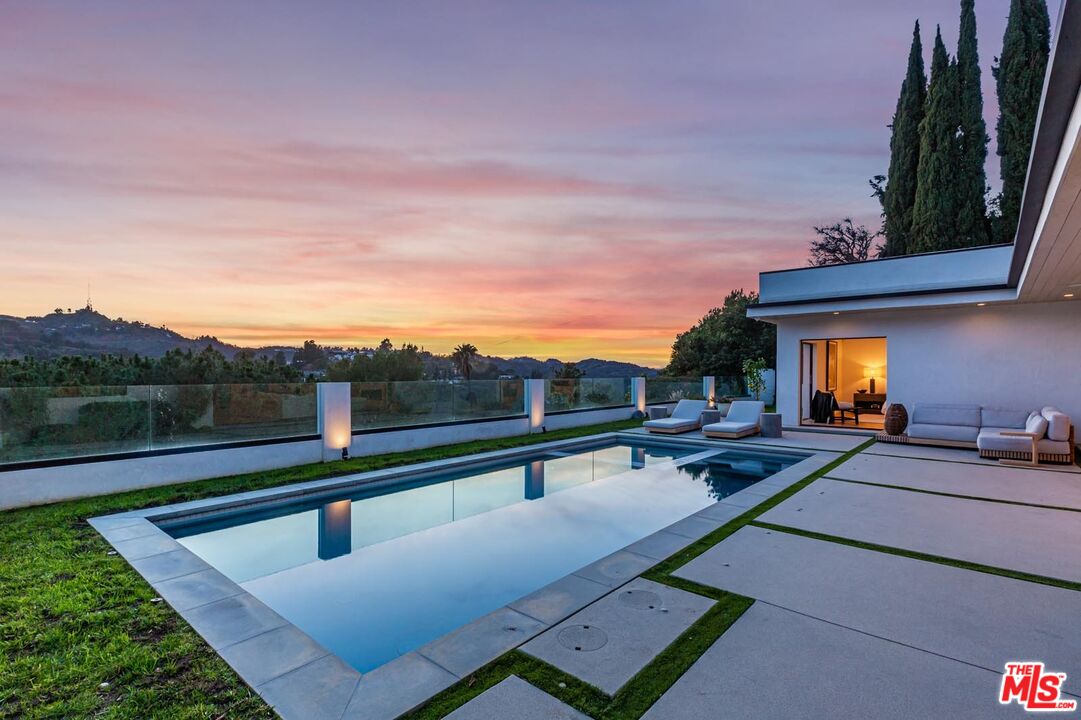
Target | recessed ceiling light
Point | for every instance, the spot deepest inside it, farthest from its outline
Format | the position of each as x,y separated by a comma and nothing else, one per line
1068,295
980,304
837,312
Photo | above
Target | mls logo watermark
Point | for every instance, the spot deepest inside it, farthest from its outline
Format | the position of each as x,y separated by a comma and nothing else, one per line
1034,689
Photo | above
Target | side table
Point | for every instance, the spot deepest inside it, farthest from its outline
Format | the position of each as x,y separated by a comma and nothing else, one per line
770,425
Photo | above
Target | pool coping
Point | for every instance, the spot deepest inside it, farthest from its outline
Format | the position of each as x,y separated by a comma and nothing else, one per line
238,626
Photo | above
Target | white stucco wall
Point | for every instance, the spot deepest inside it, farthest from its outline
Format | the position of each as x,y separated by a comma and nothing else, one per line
1017,355
35,486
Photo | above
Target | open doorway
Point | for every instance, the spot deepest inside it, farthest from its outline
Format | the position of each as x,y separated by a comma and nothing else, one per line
843,382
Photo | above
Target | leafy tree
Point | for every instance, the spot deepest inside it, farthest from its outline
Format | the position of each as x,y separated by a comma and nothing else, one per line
899,197
570,371
843,242
311,356
971,188
1019,75
464,356
176,367
754,371
934,216
386,364
720,342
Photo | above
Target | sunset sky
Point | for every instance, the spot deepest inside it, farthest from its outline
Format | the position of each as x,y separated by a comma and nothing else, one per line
557,179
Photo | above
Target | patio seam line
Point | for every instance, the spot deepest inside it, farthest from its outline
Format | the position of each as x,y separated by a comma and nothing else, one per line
1043,467
952,495
298,668
450,672
239,591
174,577
926,557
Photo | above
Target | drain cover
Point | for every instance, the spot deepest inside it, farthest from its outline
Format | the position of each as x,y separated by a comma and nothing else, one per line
582,638
641,599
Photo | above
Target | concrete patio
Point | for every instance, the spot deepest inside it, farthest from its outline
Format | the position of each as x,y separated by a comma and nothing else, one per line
849,632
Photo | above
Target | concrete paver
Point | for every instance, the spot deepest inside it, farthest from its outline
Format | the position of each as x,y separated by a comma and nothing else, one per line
978,618
608,642
1032,540
774,663
995,482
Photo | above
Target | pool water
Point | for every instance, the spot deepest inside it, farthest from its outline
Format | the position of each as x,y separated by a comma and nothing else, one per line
375,574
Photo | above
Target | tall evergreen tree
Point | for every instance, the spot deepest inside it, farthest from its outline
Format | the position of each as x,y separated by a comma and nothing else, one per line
972,225
900,195
1019,75
934,215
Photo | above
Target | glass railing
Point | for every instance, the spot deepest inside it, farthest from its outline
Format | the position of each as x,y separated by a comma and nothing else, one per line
61,422
585,393
407,403
668,389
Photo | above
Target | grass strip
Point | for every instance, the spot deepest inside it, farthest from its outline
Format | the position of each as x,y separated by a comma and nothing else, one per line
646,687
955,495
79,634
952,562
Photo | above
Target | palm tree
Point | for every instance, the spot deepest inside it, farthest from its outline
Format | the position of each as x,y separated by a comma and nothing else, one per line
463,357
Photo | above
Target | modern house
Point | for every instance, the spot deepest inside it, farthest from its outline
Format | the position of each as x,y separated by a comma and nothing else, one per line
994,326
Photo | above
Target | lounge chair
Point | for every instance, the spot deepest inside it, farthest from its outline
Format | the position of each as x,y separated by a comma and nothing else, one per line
686,416
742,420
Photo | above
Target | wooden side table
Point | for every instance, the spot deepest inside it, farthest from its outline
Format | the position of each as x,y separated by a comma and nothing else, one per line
869,402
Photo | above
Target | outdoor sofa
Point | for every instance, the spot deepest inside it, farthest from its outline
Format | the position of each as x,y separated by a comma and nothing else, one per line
686,416
999,433
742,420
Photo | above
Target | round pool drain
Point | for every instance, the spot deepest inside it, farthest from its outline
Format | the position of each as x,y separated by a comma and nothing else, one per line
640,599
582,638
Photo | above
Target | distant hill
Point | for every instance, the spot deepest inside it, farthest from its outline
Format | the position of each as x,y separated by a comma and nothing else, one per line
87,332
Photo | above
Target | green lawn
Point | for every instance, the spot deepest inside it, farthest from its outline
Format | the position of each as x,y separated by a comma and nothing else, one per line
80,635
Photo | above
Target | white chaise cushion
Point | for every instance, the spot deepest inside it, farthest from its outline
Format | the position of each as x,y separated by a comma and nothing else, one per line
689,409
745,411
727,426
672,424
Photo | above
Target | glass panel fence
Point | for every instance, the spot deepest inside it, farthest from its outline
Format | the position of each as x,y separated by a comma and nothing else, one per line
44,423
586,393
666,389
406,403
185,415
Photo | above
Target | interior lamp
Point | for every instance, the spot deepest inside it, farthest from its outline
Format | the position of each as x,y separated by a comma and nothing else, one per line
870,372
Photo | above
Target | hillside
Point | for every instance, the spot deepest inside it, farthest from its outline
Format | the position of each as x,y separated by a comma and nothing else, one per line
87,332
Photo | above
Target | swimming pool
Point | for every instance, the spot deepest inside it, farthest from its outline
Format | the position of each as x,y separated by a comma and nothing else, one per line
373,573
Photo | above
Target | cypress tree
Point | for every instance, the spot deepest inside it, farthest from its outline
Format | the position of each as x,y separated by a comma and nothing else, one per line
934,215
900,194
1019,75
972,226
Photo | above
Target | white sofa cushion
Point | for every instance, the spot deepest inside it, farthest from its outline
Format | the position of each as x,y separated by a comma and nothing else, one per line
943,414
1037,425
745,411
689,409
952,433
1003,418
1058,424
1012,443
